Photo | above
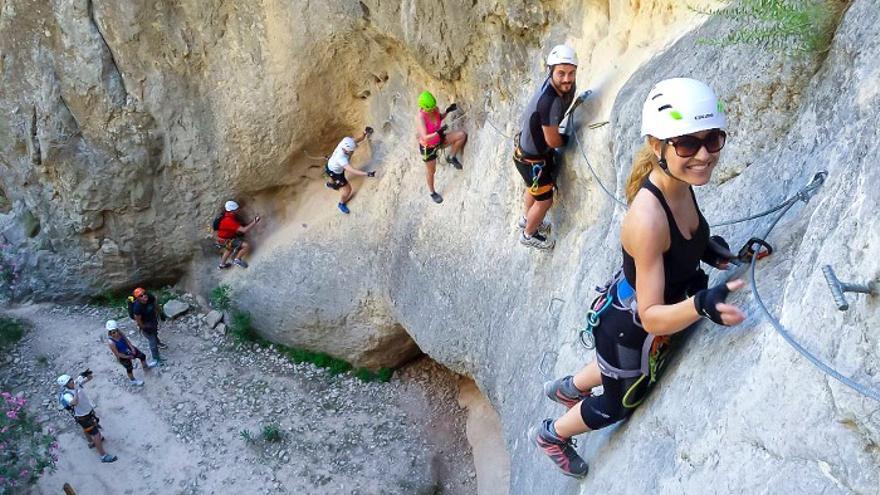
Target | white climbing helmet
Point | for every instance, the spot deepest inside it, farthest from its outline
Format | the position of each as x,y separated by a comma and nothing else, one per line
231,205
680,106
111,325
62,380
348,144
562,54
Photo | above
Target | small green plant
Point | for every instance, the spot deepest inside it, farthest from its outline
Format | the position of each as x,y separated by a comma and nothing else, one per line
11,331
112,300
365,375
43,360
166,295
794,26
247,436
241,329
26,451
272,433
8,272
221,297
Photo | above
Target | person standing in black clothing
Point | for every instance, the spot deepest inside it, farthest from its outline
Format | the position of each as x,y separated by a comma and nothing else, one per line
145,311
661,289
534,151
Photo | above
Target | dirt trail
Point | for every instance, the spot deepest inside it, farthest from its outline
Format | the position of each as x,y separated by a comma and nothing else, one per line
180,433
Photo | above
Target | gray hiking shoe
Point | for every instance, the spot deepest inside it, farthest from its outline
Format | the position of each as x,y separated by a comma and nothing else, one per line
436,197
136,383
561,452
544,229
536,241
564,392
108,458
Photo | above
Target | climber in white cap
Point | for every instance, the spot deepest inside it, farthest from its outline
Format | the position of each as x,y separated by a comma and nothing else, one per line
230,235
339,163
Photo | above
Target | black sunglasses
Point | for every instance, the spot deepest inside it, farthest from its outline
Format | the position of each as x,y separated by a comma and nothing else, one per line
688,146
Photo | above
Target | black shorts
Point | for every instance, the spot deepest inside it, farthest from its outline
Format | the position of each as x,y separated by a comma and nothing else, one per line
233,244
127,362
89,423
337,181
430,154
544,169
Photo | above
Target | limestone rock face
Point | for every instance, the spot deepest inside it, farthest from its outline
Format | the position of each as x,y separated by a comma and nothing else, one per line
126,124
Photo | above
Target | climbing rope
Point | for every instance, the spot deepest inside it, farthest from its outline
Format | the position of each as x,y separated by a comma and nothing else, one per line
595,175
316,158
804,194
489,121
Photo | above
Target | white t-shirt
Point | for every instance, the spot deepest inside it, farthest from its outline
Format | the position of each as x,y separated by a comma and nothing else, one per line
338,160
83,405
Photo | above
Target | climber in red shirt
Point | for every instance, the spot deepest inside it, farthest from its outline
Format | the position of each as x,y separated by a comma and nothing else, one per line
230,236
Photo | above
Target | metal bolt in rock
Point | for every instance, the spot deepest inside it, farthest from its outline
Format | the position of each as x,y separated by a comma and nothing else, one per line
838,288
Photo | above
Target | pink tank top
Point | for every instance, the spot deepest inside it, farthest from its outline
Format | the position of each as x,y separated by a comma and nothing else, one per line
432,123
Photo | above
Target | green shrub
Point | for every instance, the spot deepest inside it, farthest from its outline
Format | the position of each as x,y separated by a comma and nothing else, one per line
383,375
241,329
272,433
794,26
221,297
11,331
25,450
166,295
247,436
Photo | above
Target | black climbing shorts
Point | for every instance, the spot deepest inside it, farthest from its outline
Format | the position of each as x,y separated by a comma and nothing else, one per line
89,423
616,326
127,362
337,181
430,154
545,170
233,244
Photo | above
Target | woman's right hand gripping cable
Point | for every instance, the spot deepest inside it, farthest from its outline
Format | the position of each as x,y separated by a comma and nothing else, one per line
710,304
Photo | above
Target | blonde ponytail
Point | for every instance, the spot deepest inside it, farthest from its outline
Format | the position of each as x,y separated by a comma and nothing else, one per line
643,163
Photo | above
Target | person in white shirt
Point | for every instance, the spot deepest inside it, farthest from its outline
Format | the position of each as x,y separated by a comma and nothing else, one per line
73,397
339,163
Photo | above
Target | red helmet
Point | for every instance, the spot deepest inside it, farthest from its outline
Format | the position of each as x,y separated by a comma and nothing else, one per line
139,292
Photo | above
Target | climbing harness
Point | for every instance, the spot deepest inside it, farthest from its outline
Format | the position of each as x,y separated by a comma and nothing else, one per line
805,194
655,350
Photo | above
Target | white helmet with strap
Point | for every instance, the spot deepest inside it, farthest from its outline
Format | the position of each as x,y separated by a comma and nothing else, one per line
680,106
562,54
348,144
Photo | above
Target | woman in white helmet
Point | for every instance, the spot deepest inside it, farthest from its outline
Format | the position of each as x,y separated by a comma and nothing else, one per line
663,238
339,162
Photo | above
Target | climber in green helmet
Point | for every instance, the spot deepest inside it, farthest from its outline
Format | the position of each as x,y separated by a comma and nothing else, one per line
661,289
433,136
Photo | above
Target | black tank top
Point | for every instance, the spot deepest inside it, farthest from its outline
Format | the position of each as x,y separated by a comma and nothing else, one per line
682,260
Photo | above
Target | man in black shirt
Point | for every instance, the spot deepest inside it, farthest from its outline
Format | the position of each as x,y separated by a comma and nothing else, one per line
145,311
534,153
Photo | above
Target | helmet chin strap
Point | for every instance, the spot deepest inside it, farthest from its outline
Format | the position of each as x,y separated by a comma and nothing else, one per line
662,161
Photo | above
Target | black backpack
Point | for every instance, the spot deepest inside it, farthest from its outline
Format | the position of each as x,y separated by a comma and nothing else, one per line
215,224
130,303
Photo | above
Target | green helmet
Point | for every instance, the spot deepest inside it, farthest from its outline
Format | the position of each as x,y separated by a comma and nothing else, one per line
427,101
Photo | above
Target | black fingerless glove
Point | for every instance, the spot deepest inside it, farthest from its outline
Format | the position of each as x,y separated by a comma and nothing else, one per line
442,131
717,252
706,299
451,108
371,174
368,130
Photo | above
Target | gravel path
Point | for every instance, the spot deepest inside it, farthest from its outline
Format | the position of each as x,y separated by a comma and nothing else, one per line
181,432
